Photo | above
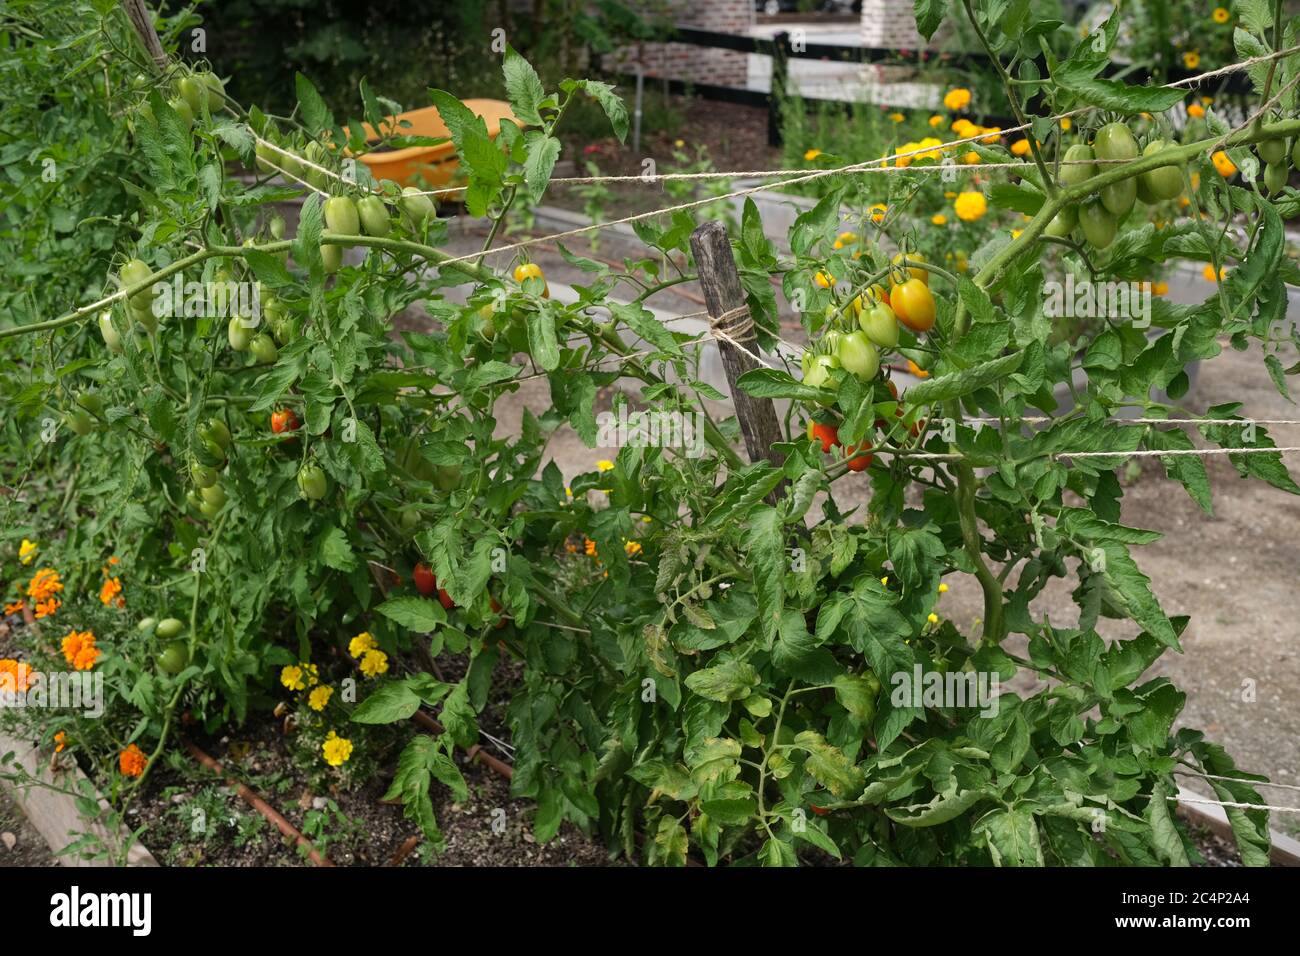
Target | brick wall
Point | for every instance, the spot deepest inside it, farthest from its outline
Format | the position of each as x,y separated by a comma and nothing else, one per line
890,24
680,61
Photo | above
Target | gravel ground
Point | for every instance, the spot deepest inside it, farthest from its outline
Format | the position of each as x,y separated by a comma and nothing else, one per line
20,844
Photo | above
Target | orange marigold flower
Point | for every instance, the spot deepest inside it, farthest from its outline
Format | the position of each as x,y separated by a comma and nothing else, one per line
44,585
111,589
60,741
48,607
132,761
15,676
590,547
15,607
86,658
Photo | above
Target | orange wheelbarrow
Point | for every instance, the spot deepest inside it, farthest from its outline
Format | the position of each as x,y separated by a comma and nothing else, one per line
430,166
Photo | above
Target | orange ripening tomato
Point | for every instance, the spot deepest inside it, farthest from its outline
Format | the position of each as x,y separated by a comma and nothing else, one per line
446,600
828,435
859,462
283,421
424,580
529,270
913,304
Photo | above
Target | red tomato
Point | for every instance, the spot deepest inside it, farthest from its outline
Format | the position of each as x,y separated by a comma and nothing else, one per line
828,435
424,580
444,597
820,811
284,421
859,462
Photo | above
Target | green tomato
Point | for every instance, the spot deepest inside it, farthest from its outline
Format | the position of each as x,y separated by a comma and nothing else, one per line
819,371
416,207
214,495
215,90
1276,176
341,216
858,355
267,158
1118,198
447,477
275,226
174,657
263,348
91,403
880,325
79,421
312,483
133,273
1063,222
408,519
239,334
209,510
147,625
1115,141
1295,153
1098,224
316,154
215,432
205,476
1165,182
170,628
374,216
193,93
1272,152
333,257
183,111
112,337
1074,175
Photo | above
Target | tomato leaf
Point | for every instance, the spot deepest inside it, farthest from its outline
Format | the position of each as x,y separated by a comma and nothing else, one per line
523,87
414,613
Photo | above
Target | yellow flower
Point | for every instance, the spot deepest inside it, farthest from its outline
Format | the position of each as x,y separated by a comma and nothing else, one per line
1196,110
374,663
936,151
1223,164
604,465
938,219
60,741
679,143
885,581
957,99
903,160
932,618
1020,147
44,585
319,697
971,158
1015,233
943,589
993,133
1208,272
589,547
964,128
336,749
878,211
811,155
568,492
823,279
291,677
970,206
1066,124
848,237
27,551
1220,15
837,244
1207,100
1161,288
361,643
312,673
897,117
935,121
632,548
917,370
950,195
1191,59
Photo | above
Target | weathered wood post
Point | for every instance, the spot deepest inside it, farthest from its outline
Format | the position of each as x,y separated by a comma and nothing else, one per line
725,299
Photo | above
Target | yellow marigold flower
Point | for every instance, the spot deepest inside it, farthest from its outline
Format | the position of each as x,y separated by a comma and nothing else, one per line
361,643
994,133
964,128
647,519
1220,15
847,237
1223,164
1208,272
312,673
936,148
111,589
632,548
938,219
1161,288
131,761
935,121
897,117
902,159
837,244
971,158
44,584
957,99
1015,233
336,750
291,677
1196,110
1207,100
27,551
60,741
812,154
374,663
319,697
568,492
1191,59
1020,147
604,465
932,618
878,211
1066,124
970,206
943,589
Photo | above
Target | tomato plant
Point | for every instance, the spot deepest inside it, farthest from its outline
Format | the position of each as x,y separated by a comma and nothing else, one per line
720,665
